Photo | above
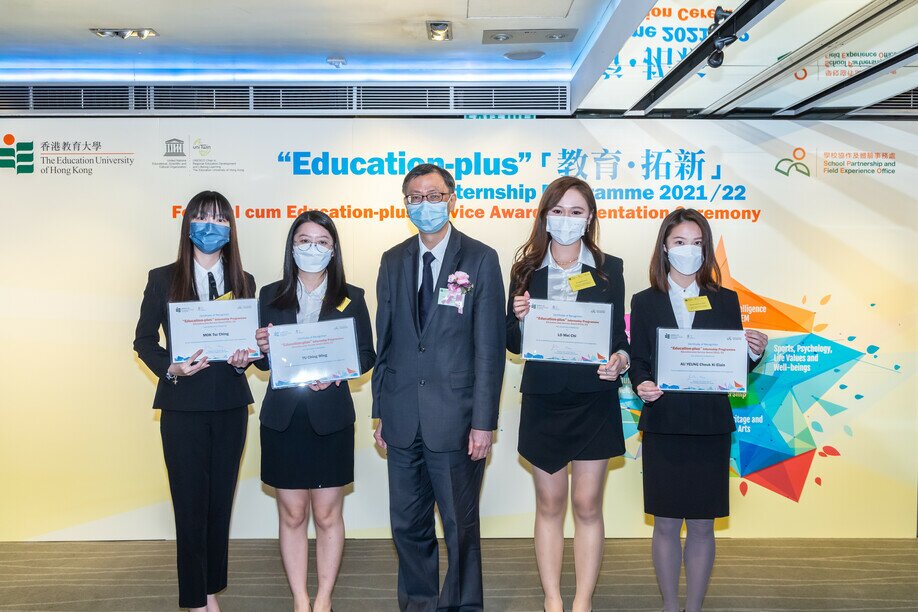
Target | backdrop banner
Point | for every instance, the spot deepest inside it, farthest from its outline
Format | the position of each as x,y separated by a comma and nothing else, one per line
815,225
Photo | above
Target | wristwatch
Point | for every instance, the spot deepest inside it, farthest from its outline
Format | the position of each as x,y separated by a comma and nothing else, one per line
172,378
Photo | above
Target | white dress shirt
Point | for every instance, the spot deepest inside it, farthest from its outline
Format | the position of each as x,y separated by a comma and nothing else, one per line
310,302
438,251
559,286
201,283
684,318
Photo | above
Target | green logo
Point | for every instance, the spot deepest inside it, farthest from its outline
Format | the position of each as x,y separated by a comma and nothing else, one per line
18,155
784,166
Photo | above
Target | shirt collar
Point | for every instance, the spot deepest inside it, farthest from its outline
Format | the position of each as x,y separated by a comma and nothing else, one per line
439,251
217,270
318,292
675,289
586,258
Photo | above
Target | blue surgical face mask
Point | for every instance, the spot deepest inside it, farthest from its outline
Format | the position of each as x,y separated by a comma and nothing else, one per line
429,217
209,237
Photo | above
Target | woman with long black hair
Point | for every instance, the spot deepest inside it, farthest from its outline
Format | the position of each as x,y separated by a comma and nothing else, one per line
204,405
307,433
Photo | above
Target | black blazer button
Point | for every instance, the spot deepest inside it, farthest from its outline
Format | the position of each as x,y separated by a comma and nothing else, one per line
421,348
423,382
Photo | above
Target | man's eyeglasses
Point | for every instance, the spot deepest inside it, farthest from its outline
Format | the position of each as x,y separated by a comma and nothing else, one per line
433,198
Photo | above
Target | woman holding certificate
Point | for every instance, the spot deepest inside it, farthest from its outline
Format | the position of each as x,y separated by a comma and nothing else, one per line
686,436
204,404
307,432
570,412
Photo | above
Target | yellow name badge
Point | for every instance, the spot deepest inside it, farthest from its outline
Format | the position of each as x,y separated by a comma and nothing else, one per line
226,296
343,304
697,303
581,281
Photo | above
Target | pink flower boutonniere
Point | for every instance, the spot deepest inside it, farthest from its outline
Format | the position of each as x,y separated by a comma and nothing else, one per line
459,282
458,285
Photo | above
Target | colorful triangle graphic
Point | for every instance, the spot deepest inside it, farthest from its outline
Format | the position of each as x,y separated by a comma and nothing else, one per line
786,478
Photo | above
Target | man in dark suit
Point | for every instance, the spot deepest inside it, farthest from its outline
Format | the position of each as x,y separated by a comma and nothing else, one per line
436,390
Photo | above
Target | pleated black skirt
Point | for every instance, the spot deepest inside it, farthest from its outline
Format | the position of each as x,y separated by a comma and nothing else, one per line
558,428
686,476
299,458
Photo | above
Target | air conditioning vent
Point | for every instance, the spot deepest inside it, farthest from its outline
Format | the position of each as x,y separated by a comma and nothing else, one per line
254,100
403,98
200,98
303,98
14,98
905,103
510,98
52,98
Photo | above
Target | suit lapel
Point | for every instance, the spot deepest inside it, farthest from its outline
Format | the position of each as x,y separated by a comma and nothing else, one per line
665,309
538,284
410,279
449,266
590,294
703,318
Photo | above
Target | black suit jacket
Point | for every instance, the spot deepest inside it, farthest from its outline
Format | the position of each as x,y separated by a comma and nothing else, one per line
217,387
445,378
545,377
680,413
331,409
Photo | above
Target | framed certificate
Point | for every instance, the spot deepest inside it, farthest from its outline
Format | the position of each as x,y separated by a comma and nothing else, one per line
220,327
702,360
567,332
313,352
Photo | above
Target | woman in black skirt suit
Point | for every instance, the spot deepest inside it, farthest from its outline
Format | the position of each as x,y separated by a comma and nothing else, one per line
570,412
686,436
204,405
307,433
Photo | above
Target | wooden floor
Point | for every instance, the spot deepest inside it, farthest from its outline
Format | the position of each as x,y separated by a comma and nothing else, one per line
756,575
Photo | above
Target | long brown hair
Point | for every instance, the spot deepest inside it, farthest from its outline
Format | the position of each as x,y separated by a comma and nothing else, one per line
530,256
708,276
199,207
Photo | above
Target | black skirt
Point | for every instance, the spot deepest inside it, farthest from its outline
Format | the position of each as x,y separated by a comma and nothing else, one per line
557,428
686,476
299,458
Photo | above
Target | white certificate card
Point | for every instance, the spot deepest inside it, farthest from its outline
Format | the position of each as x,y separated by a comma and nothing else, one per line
568,332
313,352
702,360
220,327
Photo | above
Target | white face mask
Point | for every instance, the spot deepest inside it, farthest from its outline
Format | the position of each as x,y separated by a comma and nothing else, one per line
565,230
311,257
686,258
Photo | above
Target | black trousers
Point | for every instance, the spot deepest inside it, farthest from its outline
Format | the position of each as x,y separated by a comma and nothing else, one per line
418,477
202,451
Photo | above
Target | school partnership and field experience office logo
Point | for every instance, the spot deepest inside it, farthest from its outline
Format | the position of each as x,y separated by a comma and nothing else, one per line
784,166
21,156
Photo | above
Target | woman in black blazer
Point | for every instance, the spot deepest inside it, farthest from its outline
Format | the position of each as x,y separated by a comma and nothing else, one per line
686,436
570,412
204,405
307,433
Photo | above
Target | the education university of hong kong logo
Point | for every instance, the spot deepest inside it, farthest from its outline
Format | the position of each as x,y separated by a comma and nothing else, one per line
784,166
18,155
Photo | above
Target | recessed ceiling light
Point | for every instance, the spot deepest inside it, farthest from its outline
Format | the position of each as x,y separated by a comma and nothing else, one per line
439,31
522,56
501,37
125,33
